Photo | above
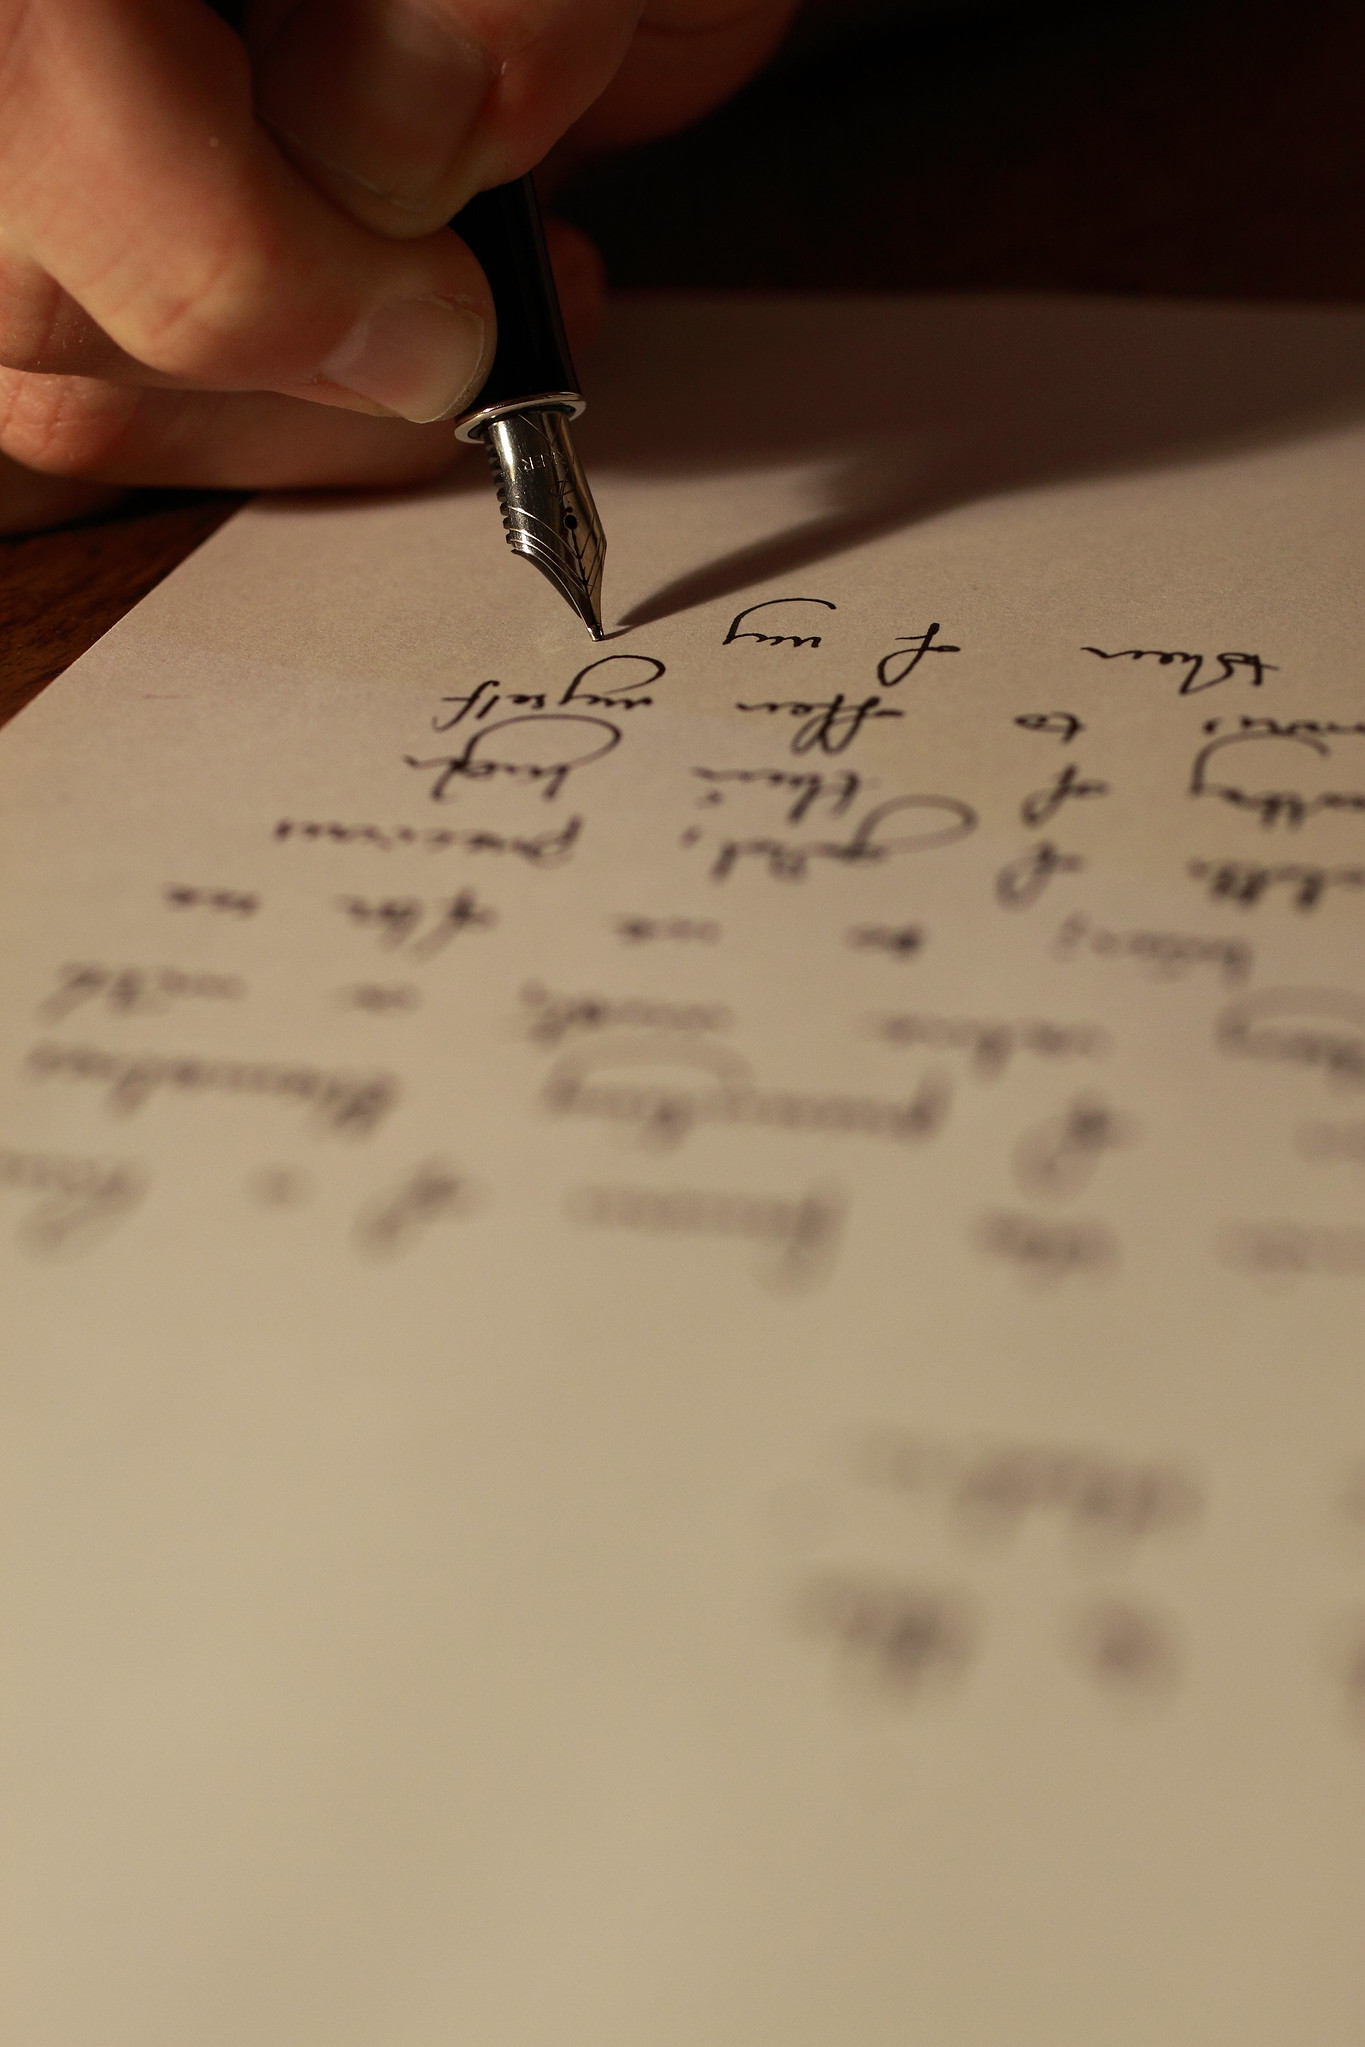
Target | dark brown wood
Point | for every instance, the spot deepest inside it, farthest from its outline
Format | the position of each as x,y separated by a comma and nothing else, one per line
59,591
1170,147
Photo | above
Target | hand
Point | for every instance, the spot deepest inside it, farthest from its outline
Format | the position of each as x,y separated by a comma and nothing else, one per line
223,253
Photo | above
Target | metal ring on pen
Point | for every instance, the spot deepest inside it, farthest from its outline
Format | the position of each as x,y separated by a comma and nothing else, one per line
474,425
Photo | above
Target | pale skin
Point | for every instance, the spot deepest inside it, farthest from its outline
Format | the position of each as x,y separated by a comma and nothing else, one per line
223,252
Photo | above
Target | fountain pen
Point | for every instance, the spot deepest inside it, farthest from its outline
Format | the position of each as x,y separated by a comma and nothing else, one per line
522,413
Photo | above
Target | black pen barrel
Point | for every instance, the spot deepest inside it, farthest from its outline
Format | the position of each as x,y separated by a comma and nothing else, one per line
504,229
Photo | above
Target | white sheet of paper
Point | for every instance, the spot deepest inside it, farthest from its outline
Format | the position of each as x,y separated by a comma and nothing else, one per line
684,1321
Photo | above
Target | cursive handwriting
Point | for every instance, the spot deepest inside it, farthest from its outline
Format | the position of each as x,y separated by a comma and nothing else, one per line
1288,728
806,789
476,704
1194,678
1292,807
1042,806
395,1220
1321,1028
1245,882
1044,1250
992,1490
379,998
1022,880
555,745
684,930
799,1234
345,1104
134,991
538,849
1131,1651
397,919
741,630
909,1640
1056,1159
902,941
791,860
1169,954
991,1044
667,1093
77,1200
233,902
556,1017
1288,1250
909,650
830,726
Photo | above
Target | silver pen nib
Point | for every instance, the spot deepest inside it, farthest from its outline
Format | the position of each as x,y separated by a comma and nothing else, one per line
547,508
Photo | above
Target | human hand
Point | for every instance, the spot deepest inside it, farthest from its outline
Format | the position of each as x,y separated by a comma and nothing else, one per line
223,253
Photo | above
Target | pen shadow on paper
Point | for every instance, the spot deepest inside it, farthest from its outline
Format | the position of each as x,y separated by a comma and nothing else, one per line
905,408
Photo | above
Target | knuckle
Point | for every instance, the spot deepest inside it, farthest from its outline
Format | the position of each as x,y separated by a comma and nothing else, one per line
43,330
213,326
230,309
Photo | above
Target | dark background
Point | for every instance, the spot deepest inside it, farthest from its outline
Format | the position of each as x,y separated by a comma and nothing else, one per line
1172,148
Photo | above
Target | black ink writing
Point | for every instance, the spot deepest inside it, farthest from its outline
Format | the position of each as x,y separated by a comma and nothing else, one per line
1045,1250
1057,1158
839,790
1042,806
394,1221
993,1489
792,860
134,991
800,1234
379,998
75,1200
1132,1652
741,630
1289,806
908,1640
910,649
830,726
538,849
1169,955
556,1017
991,1044
1288,728
902,941
666,1094
397,920
1246,882
1022,880
683,930
1229,665
1322,1029
1288,1250
553,746
231,901
602,692
344,1104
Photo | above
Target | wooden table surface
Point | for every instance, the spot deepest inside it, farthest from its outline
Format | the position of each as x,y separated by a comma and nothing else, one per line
1166,147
